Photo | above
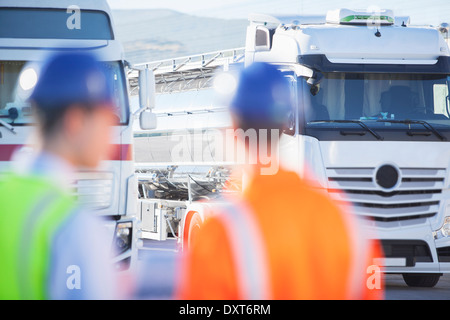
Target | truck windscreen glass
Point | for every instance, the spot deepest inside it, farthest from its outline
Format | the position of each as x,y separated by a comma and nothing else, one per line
370,97
27,23
17,80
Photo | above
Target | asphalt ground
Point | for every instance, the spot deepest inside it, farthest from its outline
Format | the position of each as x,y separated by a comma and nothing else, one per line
396,289
158,261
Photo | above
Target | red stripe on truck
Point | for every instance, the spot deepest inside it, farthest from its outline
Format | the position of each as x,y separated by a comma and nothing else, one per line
119,152
7,150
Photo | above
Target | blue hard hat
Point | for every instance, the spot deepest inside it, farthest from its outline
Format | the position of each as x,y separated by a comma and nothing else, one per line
262,96
72,77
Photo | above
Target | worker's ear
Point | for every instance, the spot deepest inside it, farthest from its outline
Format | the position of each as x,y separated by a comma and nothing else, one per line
74,120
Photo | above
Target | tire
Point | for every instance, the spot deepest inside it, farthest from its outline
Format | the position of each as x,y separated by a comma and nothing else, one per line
422,280
194,227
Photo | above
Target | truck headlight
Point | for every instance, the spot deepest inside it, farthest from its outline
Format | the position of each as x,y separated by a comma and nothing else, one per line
444,231
123,237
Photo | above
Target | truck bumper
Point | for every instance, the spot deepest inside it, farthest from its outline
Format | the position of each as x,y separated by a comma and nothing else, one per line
412,250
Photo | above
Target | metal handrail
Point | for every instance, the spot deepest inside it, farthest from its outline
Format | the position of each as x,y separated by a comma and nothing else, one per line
196,61
186,69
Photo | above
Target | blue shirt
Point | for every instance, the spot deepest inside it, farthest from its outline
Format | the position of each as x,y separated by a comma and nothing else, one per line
80,266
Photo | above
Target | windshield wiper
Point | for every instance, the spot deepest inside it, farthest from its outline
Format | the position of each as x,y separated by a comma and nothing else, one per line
362,124
7,126
422,122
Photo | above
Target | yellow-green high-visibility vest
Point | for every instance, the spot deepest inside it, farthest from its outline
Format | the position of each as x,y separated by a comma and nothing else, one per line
31,210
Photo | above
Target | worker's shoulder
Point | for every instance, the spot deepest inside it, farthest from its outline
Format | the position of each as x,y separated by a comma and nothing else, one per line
291,181
308,193
213,234
11,182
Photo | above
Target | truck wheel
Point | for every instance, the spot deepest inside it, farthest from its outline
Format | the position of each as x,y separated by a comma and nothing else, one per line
424,280
194,226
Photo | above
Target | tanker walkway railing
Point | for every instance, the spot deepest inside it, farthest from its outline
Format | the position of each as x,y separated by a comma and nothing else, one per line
186,73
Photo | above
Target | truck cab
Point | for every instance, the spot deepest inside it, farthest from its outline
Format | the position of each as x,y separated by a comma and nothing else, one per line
372,125
29,31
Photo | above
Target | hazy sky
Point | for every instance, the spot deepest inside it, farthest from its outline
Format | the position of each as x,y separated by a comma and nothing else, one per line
421,12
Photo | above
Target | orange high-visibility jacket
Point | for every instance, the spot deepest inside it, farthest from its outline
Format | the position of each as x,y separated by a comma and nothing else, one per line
308,248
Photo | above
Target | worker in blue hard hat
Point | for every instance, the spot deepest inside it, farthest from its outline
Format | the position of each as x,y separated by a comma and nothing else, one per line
280,238
50,248
262,98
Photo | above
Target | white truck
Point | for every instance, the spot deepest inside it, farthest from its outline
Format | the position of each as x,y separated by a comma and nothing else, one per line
30,30
371,123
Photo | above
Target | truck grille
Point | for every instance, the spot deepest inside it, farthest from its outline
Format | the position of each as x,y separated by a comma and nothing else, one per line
416,195
93,190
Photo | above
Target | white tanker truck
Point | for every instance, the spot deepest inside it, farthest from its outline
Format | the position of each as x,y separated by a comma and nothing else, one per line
371,123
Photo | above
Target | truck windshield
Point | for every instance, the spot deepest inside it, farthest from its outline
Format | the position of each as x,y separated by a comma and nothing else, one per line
35,23
333,98
17,79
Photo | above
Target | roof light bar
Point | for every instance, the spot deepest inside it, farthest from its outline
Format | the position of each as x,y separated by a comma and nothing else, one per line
361,17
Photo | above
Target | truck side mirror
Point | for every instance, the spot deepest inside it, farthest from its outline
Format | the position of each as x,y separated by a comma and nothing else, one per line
148,120
147,89
262,39
147,92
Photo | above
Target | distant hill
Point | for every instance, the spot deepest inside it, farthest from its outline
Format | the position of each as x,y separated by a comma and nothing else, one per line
149,35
